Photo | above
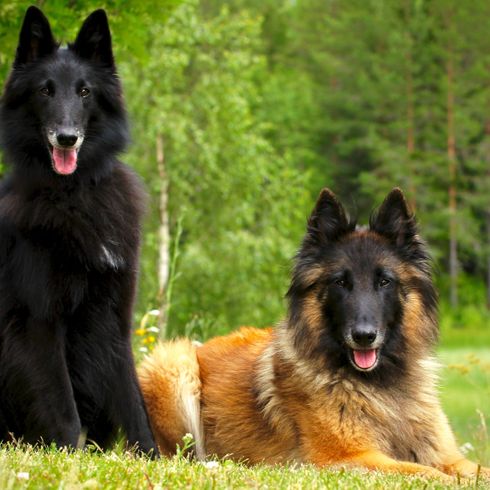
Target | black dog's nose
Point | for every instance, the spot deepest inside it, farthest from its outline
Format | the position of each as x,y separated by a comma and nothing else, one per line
364,335
66,139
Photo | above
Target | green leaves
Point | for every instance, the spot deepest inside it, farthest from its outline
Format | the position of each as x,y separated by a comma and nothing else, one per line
243,201
262,103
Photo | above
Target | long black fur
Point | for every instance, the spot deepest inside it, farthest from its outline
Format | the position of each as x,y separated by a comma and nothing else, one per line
68,249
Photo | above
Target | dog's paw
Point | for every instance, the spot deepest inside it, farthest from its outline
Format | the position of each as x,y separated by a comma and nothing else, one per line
485,472
468,469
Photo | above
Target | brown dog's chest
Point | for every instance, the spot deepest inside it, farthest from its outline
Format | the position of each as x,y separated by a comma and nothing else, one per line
397,424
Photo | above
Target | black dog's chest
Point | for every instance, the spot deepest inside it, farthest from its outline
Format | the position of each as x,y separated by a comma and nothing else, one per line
73,253
69,244
78,231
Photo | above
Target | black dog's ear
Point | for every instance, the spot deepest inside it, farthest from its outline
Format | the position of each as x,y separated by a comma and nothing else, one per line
328,220
394,220
94,39
35,39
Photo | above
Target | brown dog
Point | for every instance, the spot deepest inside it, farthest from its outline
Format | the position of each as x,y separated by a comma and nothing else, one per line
347,378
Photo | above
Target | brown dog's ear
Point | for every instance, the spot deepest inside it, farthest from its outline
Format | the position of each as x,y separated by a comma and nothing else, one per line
394,220
35,39
94,39
328,220
326,224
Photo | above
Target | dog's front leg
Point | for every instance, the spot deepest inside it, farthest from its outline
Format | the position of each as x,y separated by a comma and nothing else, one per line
445,452
3,424
376,460
127,400
372,460
37,384
129,405
465,468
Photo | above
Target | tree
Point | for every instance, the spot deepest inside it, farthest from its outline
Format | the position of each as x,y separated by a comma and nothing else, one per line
243,201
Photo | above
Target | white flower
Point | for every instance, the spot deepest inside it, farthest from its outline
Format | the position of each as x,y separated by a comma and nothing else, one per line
466,448
143,349
23,475
211,465
154,312
153,329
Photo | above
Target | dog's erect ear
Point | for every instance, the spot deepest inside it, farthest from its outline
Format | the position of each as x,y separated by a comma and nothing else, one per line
94,39
328,220
35,39
395,221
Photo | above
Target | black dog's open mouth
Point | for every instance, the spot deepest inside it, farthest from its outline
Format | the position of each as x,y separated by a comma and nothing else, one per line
364,360
64,160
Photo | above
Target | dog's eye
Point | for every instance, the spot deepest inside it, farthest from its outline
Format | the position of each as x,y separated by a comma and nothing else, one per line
383,282
341,283
45,91
84,92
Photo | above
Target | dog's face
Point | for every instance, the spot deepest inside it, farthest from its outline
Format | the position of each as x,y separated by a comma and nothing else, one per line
69,95
362,298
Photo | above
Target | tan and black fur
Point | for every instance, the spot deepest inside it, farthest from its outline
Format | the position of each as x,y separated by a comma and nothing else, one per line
348,378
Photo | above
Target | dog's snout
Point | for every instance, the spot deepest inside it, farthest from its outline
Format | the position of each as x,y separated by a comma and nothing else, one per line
66,139
364,335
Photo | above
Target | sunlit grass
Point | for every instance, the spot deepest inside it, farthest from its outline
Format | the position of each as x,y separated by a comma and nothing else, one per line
52,469
465,394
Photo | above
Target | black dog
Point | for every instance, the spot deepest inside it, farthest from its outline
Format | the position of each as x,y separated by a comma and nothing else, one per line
69,240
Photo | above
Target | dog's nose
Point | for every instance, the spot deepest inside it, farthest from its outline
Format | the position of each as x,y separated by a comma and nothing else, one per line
364,335
66,139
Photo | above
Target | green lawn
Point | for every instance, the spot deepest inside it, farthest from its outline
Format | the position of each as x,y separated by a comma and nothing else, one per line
465,394
465,389
52,469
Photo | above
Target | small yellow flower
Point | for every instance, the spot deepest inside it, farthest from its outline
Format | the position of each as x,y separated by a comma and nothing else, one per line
139,331
460,368
473,359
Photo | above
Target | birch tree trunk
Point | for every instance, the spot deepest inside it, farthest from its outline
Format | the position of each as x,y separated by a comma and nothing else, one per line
163,237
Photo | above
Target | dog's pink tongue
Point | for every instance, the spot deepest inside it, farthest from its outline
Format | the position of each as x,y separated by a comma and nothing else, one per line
365,358
65,160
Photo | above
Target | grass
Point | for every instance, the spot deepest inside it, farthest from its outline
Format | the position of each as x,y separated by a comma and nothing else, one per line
468,337
465,390
465,395
52,469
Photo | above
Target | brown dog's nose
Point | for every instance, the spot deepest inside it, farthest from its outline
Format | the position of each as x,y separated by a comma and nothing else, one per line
364,335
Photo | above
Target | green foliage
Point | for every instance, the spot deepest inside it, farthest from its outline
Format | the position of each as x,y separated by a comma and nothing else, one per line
469,325
261,104
242,204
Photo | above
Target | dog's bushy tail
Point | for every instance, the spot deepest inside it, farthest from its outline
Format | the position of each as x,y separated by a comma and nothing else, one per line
171,387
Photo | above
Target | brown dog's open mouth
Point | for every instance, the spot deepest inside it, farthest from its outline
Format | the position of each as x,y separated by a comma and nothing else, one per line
365,359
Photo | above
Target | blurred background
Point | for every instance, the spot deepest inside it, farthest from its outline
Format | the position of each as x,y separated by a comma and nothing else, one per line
241,111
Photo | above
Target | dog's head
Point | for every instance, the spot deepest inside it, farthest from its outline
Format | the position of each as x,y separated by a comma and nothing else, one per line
363,298
61,106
